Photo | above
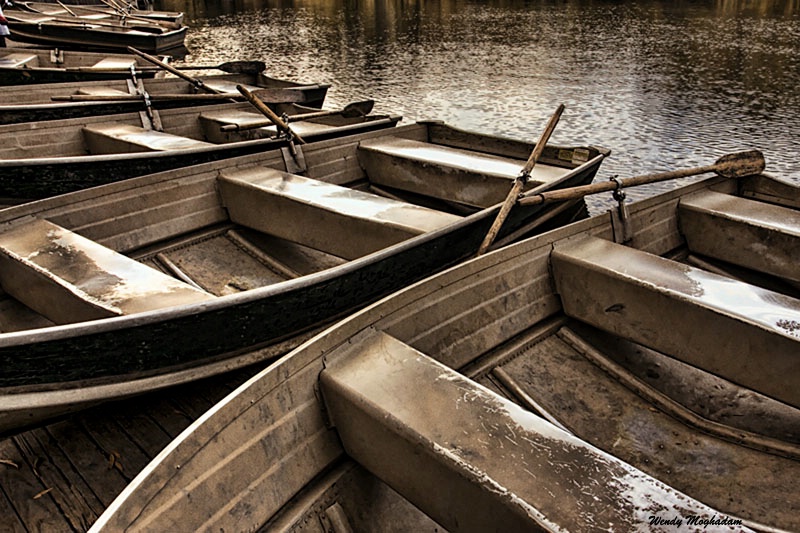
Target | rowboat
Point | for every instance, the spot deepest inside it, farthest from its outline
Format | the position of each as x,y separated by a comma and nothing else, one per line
25,66
103,13
77,33
59,156
150,282
545,386
55,101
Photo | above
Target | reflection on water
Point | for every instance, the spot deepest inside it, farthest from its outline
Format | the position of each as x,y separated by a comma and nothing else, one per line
661,83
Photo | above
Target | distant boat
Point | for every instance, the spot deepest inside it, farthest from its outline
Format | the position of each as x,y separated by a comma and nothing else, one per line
79,33
536,388
57,101
104,12
58,156
169,278
26,66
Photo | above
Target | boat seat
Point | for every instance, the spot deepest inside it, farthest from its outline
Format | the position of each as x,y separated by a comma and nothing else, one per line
69,278
115,63
115,138
745,334
19,59
212,121
101,91
466,456
471,178
747,233
334,219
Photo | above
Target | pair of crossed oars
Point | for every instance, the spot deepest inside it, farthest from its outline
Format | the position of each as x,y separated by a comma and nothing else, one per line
735,165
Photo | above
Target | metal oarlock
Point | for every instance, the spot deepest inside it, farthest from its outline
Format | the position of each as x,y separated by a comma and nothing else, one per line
620,219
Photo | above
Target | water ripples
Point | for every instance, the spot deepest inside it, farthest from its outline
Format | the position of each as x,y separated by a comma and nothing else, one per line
662,85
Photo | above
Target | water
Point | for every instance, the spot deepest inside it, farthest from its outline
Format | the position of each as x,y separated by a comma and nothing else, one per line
663,84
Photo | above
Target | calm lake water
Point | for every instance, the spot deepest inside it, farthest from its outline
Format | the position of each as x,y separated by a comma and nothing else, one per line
663,84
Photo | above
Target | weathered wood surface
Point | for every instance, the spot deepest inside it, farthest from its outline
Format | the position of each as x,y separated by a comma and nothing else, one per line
60,477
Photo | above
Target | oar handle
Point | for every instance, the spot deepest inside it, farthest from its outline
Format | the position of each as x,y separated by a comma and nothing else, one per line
539,148
736,165
197,83
520,181
267,112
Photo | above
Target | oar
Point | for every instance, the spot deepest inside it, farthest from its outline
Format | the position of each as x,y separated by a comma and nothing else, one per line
169,68
269,113
351,110
132,97
232,67
520,181
735,165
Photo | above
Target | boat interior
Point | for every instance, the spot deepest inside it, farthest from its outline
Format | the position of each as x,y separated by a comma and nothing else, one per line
154,131
674,351
57,58
551,379
219,229
95,23
226,83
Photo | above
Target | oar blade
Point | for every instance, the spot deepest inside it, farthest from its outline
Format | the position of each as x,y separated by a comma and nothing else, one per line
358,109
243,67
740,164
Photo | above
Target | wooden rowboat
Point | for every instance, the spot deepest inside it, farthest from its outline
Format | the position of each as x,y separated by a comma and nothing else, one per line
77,33
60,156
26,66
169,278
534,388
56,101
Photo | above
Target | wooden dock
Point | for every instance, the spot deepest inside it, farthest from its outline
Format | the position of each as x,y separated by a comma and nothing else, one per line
62,476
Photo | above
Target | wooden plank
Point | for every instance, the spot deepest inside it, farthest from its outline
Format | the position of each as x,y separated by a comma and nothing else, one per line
31,500
89,460
123,454
71,493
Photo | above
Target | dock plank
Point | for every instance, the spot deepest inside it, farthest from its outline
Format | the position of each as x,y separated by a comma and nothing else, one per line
71,493
33,507
89,460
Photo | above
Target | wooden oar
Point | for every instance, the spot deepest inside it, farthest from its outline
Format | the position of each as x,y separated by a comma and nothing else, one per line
269,113
131,97
520,181
735,165
233,67
169,68
351,110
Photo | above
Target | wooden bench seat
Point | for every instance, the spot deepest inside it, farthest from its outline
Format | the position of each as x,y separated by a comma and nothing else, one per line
327,217
102,91
212,121
748,233
745,334
471,178
19,59
471,459
115,63
69,278
115,138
